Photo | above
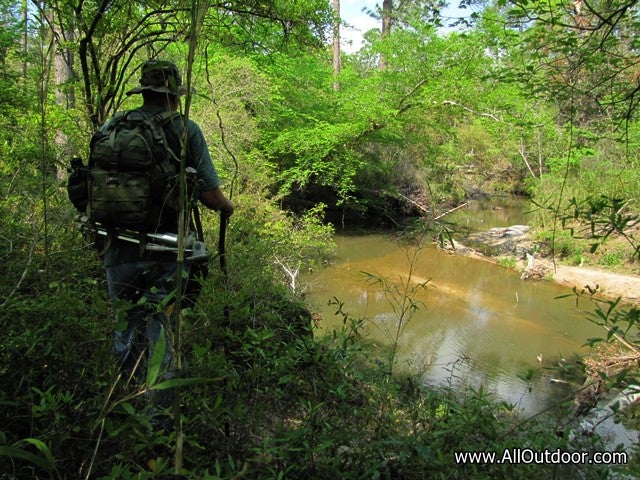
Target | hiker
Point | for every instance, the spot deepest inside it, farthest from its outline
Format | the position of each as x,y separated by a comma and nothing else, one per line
140,278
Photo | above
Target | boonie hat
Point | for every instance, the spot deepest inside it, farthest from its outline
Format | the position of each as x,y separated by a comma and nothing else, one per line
160,76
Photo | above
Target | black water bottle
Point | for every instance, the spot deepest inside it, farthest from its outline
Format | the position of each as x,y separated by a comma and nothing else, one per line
75,164
77,187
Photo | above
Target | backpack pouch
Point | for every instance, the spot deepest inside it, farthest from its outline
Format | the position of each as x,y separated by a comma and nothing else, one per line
136,151
127,150
132,172
120,198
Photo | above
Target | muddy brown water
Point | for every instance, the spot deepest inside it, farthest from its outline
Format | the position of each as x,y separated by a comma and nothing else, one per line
477,323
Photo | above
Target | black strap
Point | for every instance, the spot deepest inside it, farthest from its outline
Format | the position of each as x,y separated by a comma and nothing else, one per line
197,222
224,220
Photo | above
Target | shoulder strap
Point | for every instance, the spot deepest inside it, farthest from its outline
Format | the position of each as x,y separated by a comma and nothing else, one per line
114,120
157,123
163,118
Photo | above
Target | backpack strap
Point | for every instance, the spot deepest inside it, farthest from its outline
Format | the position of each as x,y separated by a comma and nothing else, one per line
159,121
113,178
155,124
107,129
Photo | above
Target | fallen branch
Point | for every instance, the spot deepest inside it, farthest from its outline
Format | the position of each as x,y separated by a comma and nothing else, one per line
292,274
414,203
451,211
624,341
427,211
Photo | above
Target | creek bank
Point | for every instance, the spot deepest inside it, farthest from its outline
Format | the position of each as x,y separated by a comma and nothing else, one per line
517,243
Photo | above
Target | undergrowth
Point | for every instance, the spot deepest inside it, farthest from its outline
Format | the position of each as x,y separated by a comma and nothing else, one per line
278,403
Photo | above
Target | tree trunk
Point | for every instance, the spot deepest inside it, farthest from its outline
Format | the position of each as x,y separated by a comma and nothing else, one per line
336,43
63,68
387,10
25,38
65,98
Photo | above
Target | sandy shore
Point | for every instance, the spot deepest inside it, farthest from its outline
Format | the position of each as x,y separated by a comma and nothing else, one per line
515,241
610,285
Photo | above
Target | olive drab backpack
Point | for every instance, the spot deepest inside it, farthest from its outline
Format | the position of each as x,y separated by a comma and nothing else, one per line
131,177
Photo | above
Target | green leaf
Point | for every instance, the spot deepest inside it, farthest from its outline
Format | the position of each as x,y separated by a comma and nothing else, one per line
40,445
162,306
201,350
129,408
159,349
592,341
179,382
15,452
564,296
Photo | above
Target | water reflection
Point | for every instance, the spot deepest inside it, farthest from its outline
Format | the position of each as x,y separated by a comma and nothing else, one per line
478,324
488,213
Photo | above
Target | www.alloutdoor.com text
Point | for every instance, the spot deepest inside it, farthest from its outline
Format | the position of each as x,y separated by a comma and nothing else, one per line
529,456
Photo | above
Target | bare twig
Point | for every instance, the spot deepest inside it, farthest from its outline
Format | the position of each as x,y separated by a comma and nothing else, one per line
103,417
456,104
292,274
24,273
524,157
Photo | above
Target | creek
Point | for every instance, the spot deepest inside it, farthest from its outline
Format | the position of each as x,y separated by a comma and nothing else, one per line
478,323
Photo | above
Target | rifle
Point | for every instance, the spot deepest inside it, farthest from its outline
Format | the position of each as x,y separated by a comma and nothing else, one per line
151,242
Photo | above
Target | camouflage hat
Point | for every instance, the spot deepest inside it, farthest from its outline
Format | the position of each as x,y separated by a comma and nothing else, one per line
160,76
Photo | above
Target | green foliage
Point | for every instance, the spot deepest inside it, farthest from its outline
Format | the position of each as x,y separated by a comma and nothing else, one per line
318,158
155,362
262,398
621,324
307,143
598,219
507,262
233,102
571,163
43,460
613,259
47,339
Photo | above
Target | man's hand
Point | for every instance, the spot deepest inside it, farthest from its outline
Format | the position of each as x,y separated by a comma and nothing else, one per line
216,200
